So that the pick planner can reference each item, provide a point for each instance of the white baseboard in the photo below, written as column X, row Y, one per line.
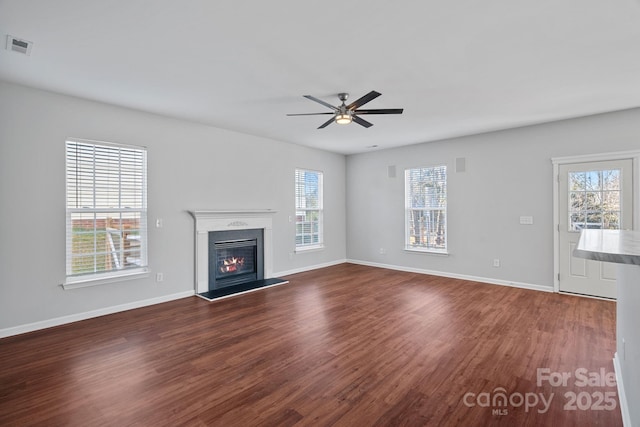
column 30, row 327
column 456, row 276
column 309, row 268
column 622, row 397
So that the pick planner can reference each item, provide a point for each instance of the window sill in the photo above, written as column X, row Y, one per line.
column 102, row 279
column 427, row 251
column 309, row 248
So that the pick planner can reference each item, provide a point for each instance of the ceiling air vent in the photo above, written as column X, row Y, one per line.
column 18, row 45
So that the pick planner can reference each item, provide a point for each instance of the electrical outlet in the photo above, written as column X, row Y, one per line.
column 159, row 277
column 159, row 223
column 526, row 220
column 383, row 251
column 496, row 262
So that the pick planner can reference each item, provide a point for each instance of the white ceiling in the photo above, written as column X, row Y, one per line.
column 456, row 67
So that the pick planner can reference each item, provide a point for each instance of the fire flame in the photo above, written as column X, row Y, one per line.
column 232, row 264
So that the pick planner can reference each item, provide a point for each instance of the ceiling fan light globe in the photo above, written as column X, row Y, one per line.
column 343, row 119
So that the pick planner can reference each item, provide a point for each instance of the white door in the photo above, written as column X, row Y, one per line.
column 595, row 195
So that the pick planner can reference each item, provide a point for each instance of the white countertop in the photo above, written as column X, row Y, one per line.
column 619, row 246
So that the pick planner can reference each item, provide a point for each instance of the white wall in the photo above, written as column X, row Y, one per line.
column 508, row 174
column 628, row 341
column 190, row 166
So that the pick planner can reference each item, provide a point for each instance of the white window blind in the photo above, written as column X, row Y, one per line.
column 426, row 209
column 309, row 227
column 106, row 209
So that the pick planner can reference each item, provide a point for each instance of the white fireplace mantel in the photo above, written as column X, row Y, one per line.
column 222, row 220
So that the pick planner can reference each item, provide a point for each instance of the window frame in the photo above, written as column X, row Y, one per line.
column 408, row 246
column 77, row 280
column 302, row 247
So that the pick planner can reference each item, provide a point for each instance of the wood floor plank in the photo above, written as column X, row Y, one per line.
column 346, row 345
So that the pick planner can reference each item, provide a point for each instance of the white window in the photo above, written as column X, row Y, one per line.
column 106, row 211
column 426, row 209
column 308, row 209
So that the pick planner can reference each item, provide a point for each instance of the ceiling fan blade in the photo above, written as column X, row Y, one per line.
column 381, row 111
column 361, row 122
column 308, row 114
column 361, row 101
column 320, row 101
column 327, row 123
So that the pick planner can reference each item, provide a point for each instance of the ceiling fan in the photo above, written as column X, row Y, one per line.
column 345, row 114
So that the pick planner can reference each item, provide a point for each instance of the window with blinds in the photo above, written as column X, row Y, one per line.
column 308, row 209
column 426, row 209
column 106, row 210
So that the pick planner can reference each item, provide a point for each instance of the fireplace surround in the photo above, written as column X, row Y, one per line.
column 207, row 221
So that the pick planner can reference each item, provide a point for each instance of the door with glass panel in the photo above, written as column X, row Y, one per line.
column 595, row 195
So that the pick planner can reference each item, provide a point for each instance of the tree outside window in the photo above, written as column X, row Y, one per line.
column 426, row 209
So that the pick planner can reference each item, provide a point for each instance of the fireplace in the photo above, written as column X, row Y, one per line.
column 235, row 257
column 242, row 261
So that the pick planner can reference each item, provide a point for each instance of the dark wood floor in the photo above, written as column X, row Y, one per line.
column 347, row 345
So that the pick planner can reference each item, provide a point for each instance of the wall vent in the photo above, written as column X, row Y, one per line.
column 19, row 45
